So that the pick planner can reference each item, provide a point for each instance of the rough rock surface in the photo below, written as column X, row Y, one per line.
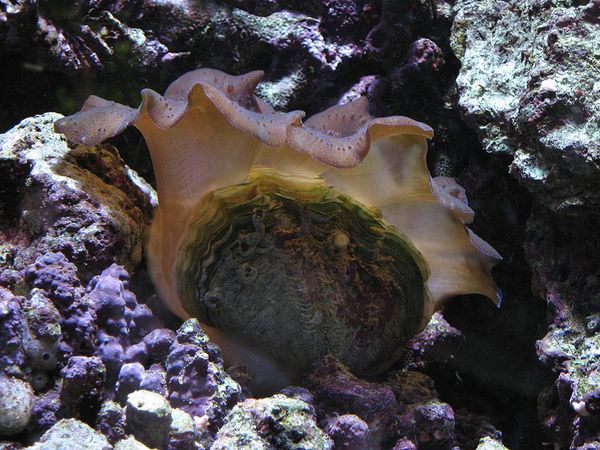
column 314, row 53
column 529, row 87
column 196, row 380
column 153, row 39
column 349, row 432
column 148, row 417
column 362, row 414
column 109, row 347
column 183, row 433
column 80, row 347
column 130, row 443
column 16, row 403
column 12, row 355
column 274, row 422
column 80, row 201
column 71, row 433
column 111, row 422
column 487, row 443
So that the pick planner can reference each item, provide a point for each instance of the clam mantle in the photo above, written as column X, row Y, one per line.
column 290, row 240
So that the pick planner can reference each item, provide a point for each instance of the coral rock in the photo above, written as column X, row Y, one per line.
column 12, row 322
column 57, row 279
column 196, row 379
column 42, row 334
column 405, row 444
column 64, row 203
column 349, row 432
column 148, row 418
column 16, row 403
column 122, row 323
column 130, row 443
column 488, row 443
column 130, row 379
column 71, row 433
column 111, row 421
column 435, row 421
column 183, row 433
column 537, row 102
column 82, row 388
column 274, row 422
column 335, row 389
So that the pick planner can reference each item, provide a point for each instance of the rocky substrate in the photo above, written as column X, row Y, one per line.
column 83, row 362
column 529, row 87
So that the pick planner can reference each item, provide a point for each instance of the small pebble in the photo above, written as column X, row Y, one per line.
column 16, row 403
column 148, row 418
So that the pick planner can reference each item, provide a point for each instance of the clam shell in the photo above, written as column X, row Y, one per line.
column 298, row 270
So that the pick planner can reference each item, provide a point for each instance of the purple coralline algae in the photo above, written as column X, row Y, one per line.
column 335, row 389
column 111, row 422
column 12, row 356
column 41, row 337
column 402, row 411
column 184, row 366
column 349, row 432
column 54, row 277
column 110, row 347
column 196, row 380
column 122, row 322
column 435, row 422
column 83, row 380
column 80, row 338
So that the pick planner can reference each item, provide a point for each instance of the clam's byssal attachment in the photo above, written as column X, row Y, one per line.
column 291, row 240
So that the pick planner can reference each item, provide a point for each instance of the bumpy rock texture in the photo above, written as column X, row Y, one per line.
column 109, row 347
column 16, row 403
column 82, row 202
column 148, row 418
column 275, row 422
column 403, row 410
column 153, row 39
column 77, row 352
column 529, row 87
column 71, row 433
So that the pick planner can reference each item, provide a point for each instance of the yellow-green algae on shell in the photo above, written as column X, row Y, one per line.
column 298, row 270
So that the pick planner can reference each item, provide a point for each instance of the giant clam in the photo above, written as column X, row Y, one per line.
column 291, row 240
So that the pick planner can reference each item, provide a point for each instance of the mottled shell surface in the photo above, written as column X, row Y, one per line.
column 293, row 239
column 299, row 270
